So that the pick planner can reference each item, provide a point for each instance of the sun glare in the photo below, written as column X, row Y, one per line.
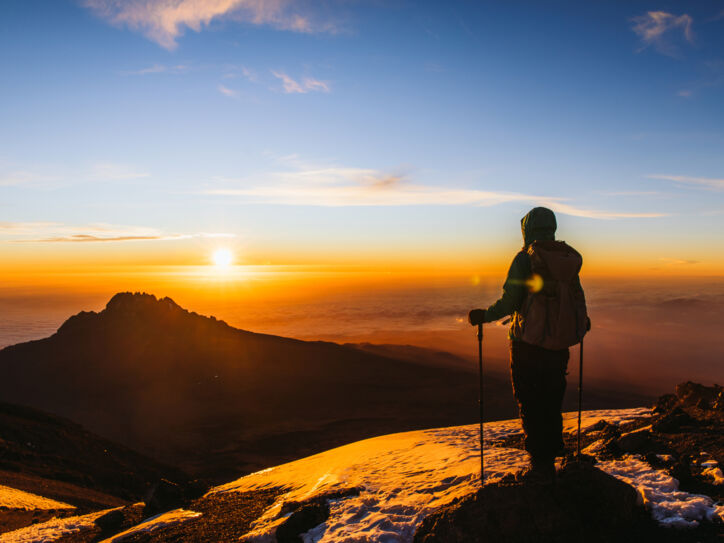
column 222, row 258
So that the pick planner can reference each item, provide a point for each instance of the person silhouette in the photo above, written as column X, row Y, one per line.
column 542, row 280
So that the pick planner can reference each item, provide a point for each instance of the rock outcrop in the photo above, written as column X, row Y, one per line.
column 585, row 504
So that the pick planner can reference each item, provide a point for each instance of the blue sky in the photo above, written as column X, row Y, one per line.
column 355, row 130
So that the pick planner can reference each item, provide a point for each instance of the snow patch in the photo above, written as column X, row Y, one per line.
column 404, row 477
column 164, row 520
column 53, row 529
column 612, row 416
column 594, row 448
column 715, row 473
column 660, row 494
column 12, row 498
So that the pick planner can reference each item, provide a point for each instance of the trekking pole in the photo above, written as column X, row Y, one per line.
column 480, row 400
column 580, row 389
column 580, row 398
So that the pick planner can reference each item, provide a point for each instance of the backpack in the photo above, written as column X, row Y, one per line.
column 553, row 315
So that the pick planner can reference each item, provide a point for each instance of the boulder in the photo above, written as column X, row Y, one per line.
column 113, row 520
column 634, row 442
column 673, row 421
column 697, row 395
column 164, row 496
column 117, row 520
column 585, row 504
column 309, row 513
column 665, row 404
column 302, row 520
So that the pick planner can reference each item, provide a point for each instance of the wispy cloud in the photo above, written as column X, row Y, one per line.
column 339, row 186
column 159, row 69
column 164, row 21
column 226, row 91
column 574, row 211
column 100, row 171
column 679, row 261
column 305, row 85
column 231, row 72
column 633, row 193
column 54, row 232
column 91, row 237
column 705, row 182
column 662, row 31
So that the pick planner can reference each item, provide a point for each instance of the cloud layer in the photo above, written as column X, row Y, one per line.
column 164, row 21
column 339, row 186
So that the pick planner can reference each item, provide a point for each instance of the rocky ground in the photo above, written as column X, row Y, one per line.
column 585, row 504
column 683, row 436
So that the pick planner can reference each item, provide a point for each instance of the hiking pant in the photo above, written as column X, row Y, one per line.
column 539, row 382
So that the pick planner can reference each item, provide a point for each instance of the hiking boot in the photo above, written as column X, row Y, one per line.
column 543, row 473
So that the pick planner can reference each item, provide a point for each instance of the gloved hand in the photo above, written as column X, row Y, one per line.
column 476, row 316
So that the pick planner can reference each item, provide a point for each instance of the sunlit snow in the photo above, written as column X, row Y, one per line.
column 53, row 529
column 660, row 493
column 404, row 477
column 152, row 524
column 12, row 498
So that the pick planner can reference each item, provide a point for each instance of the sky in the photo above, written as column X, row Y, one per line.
column 358, row 135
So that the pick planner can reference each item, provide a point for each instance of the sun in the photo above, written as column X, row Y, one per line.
column 223, row 258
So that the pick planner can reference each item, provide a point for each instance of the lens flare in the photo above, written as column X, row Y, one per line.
column 535, row 283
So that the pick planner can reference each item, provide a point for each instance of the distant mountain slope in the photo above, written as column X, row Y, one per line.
column 413, row 353
column 193, row 391
column 599, row 395
column 50, row 467
column 60, row 459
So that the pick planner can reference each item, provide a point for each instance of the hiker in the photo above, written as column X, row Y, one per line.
column 544, row 296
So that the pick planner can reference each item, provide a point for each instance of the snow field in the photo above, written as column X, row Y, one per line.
column 404, row 477
column 53, row 529
column 157, row 522
column 12, row 498
column 56, row 529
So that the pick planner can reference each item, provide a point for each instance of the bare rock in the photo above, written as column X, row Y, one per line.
column 634, row 442
column 164, row 496
column 585, row 504
column 697, row 395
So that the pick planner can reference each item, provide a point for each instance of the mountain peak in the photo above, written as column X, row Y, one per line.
column 131, row 308
column 124, row 301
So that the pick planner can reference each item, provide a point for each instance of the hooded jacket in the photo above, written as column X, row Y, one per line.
column 538, row 225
